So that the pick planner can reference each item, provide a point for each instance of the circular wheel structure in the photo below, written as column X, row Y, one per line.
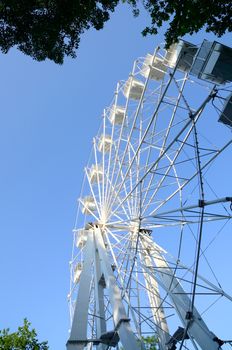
column 152, row 212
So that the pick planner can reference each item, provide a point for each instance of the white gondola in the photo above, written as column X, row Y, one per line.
column 133, row 89
column 88, row 205
column 96, row 173
column 104, row 143
column 183, row 53
column 157, row 68
column 77, row 272
column 117, row 115
column 81, row 238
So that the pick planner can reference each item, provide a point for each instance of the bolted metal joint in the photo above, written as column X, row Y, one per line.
column 189, row 315
column 201, row 203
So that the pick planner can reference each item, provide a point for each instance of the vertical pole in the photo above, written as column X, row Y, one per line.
column 80, row 317
column 121, row 321
column 197, row 329
column 99, row 297
column 156, row 306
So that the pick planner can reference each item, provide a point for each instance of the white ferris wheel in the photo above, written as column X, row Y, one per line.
column 152, row 210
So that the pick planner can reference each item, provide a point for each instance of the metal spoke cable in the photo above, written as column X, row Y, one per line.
column 198, row 247
column 137, row 239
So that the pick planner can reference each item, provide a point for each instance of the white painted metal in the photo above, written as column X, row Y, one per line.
column 196, row 326
column 156, row 304
column 96, row 173
column 142, row 182
column 81, row 238
column 80, row 317
column 121, row 321
column 88, row 205
column 117, row 115
column 99, row 298
column 133, row 88
column 183, row 52
column 105, row 143
column 77, row 272
column 154, row 66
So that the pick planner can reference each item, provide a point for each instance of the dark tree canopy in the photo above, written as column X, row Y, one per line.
column 52, row 28
column 24, row 339
column 49, row 28
column 188, row 17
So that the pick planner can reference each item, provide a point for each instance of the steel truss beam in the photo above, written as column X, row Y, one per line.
column 80, row 317
column 191, row 320
column 95, row 251
column 121, row 321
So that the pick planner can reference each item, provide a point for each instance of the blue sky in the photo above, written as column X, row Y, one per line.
column 49, row 115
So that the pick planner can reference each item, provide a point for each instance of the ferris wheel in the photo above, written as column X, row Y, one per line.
column 152, row 210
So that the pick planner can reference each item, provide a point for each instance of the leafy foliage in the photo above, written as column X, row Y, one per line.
column 52, row 28
column 187, row 17
column 150, row 342
column 24, row 339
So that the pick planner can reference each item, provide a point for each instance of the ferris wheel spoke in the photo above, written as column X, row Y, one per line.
column 149, row 289
column 208, row 285
column 122, row 127
column 109, row 205
column 135, row 120
column 148, row 127
column 176, row 265
column 172, row 164
column 116, row 161
column 167, row 133
column 150, row 122
column 93, row 194
column 127, row 186
column 115, row 102
column 161, row 182
column 130, row 172
column 198, row 330
column 103, row 162
column 207, row 163
column 124, row 187
column 120, row 218
column 181, row 92
column 98, row 179
column 156, row 304
column 125, row 292
column 195, row 116
column 89, row 210
column 115, row 238
column 170, row 167
column 138, row 193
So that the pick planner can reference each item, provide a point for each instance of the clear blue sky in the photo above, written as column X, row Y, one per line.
column 49, row 115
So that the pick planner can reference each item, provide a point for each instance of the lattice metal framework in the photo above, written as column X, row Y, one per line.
column 149, row 213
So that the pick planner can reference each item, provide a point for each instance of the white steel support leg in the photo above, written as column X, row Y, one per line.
column 121, row 321
column 99, row 298
column 80, row 317
column 156, row 306
column 197, row 328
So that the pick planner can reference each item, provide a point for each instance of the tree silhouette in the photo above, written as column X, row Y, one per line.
column 52, row 28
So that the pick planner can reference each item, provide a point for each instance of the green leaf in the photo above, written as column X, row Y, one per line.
column 24, row 338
